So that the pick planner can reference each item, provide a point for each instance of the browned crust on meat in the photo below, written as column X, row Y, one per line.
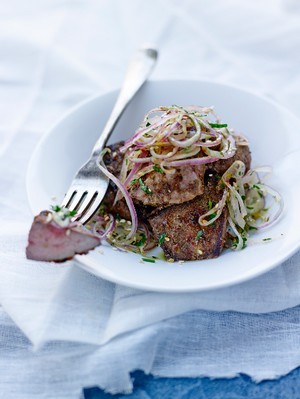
column 242, row 154
column 179, row 219
column 183, row 185
column 180, row 224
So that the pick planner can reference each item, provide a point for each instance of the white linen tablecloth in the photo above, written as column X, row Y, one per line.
column 62, row 329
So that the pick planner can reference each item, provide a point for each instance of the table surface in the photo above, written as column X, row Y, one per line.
column 149, row 387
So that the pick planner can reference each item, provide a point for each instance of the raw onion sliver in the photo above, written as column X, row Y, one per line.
column 128, row 199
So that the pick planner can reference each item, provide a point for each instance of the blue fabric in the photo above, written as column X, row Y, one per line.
column 149, row 387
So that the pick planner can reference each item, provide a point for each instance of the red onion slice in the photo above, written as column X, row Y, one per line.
column 129, row 202
column 192, row 161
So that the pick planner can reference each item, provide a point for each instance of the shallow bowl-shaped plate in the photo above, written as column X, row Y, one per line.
column 273, row 133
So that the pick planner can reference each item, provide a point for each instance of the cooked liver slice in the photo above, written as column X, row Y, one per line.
column 185, row 184
column 180, row 224
column 168, row 189
column 176, row 203
column 48, row 241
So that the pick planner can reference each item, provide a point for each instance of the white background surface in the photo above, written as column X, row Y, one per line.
column 54, row 54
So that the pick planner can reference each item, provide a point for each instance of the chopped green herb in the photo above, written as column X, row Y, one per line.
column 213, row 215
column 258, row 190
column 267, row 239
column 179, row 106
column 252, row 228
column 157, row 169
column 118, row 217
column 144, row 187
column 102, row 210
column 148, row 260
column 162, row 239
column 250, row 207
column 199, row 234
column 244, row 242
column 141, row 241
column 71, row 213
column 133, row 182
column 243, row 197
column 56, row 208
column 210, row 204
column 148, row 124
column 218, row 125
column 66, row 213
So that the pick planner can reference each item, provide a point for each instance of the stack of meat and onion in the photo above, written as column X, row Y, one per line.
column 183, row 181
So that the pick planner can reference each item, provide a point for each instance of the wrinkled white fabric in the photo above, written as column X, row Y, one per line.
column 54, row 54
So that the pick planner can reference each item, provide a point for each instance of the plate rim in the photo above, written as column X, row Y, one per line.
column 88, row 264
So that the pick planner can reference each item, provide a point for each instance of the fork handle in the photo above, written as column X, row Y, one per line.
column 138, row 71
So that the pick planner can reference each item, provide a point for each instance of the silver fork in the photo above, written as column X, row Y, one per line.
column 90, row 184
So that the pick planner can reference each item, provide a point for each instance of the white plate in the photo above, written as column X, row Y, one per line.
column 273, row 133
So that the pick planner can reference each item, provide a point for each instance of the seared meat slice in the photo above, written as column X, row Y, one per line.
column 242, row 154
column 180, row 225
column 167, row 189
column 48, row 241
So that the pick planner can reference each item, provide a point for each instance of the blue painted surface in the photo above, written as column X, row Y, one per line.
column 149, row 387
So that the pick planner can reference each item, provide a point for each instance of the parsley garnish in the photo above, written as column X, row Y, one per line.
column 199, row 234
column 148, row 260
column 55, row 208
column 252, row 228
column 162, row 239
column 144, row 187
column 141, row 241
column 258, row 190
column 148, row 124
column 133, row 182
column 210, row 204
column 213, row 215
column 102, row 209
column 218, row 125
column 66, row 212
column 267, row 239
column 157, row 169
column 70, row 213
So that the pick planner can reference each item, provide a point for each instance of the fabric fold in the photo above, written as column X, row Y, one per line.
column 82, row 330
